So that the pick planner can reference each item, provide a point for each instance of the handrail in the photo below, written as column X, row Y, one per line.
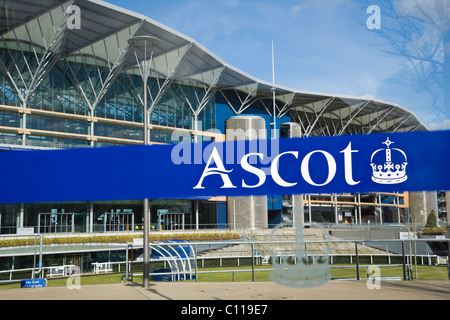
column 406, row 257
column 41, row 251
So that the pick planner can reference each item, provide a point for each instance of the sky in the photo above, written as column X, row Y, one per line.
column 322, row 46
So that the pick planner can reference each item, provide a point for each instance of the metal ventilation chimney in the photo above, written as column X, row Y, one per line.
column 247, row 212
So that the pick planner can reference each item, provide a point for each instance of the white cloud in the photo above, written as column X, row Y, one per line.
column 317, row 5
column 437, row 126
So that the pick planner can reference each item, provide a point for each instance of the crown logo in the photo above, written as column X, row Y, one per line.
column 389, row 167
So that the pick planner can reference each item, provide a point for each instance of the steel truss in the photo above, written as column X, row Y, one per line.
column 97, row 58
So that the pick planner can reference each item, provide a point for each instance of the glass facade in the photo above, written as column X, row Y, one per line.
column 118, row 131
column 9, row 119
column 58, row 114
column 60, row 90
column 72, row 86
column 106, row 216
column 56, row 124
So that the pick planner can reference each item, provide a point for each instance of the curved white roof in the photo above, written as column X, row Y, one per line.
column 103, row 38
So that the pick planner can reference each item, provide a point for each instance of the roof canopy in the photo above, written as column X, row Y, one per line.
column 43, row 27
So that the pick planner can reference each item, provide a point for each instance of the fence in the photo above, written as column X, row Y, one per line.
column 306, row 255
column 264, row 256
column 38, row 253
column 104, row 267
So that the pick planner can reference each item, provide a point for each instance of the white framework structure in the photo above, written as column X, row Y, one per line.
column 37, row 37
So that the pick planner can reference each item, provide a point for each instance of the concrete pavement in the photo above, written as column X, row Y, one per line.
column 333, row 290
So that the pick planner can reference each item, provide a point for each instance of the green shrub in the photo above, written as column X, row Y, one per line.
column 433, row 231
column 120, row 239
column 431, row 220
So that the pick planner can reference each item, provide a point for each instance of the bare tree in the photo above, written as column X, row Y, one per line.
column 419, row 31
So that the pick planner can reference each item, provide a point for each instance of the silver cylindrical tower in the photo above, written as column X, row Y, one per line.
column 246, row 212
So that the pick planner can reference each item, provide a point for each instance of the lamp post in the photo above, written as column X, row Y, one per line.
column 274, row 132
column 145, row 42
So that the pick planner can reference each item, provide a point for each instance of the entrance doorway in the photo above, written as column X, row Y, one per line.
column 170, row 221
column 56, row 223
column 121, row 220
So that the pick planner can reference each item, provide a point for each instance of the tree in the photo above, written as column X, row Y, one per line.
column 431, row 220
column 419, row 31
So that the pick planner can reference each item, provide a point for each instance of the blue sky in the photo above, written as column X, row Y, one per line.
column 320, row 45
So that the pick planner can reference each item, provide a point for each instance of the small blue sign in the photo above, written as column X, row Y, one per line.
column 28, row 283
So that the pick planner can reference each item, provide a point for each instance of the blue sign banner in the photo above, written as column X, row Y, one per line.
column 394, row 162
column 33, row 283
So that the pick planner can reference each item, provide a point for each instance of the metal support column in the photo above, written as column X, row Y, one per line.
column 146, row 259
column 359, row 208
column 309, row 208
column 404, row 260
column 448, row 259
column 274, row 128
column 21, row 215
column 92, row 129
column 253, row 263
column 381, row 209
column 357, row 261
column 145, row 42
column 196, row 216
column 334, row 199
column 24, row 123
column 91, row 217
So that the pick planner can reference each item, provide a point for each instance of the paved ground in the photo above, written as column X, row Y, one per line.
column 334, row 290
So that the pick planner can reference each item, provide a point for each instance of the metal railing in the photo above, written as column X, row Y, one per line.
column 406, row 259
column 36, row 265
column 230, row 253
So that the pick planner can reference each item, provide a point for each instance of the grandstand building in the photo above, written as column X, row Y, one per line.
column 71, row 78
